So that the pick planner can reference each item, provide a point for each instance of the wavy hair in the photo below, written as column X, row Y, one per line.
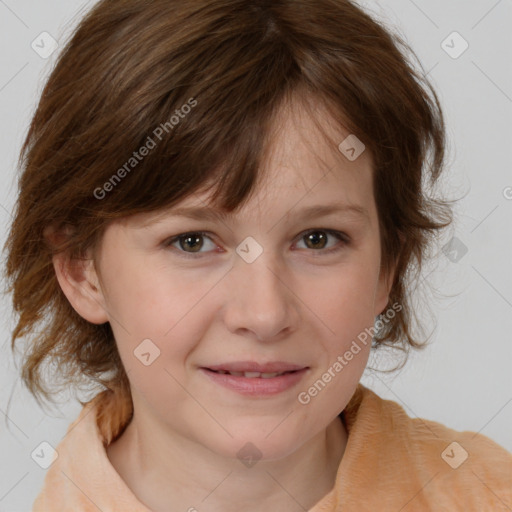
column 132, row 66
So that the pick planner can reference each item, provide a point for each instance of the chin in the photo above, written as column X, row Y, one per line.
column 253, row 444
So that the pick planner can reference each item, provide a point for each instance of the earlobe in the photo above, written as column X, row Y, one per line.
column 78, row 280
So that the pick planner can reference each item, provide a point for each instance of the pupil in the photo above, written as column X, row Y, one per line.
column 316, row 237
column 195, row 242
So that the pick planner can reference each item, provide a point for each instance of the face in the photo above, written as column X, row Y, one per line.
column 279, row 286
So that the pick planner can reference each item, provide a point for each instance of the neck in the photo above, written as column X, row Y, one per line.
column 162, row 468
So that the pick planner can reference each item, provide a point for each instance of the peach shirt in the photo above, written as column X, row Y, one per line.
column 391, row 463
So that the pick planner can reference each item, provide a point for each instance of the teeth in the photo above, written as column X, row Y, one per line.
column 252, row 375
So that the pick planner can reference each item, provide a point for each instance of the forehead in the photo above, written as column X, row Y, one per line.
column 303, row 168
column 308, row 152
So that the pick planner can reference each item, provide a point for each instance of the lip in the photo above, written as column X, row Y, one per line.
column 252, row 366
column 257, row 386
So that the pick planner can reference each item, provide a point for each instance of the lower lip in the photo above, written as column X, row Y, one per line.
column 256, row 386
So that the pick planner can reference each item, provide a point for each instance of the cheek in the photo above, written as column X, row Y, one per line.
column 344, row 298
column 150, row 300
column 158, row 313
column 344, row 303
column 346, row 310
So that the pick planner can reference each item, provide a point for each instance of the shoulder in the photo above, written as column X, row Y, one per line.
column 427, row 460
column 473, row 467
column 82, row 468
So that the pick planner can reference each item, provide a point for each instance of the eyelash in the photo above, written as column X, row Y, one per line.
column 342, row 237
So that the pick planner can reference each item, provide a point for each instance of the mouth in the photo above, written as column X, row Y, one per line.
column 234, row 367
column 254, row 379
column 252, row 375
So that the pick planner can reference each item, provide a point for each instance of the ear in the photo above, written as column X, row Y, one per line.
column 386, row 279
column 383, row 290
column 78, row 280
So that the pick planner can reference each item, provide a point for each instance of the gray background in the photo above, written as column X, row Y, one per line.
column 463, row 379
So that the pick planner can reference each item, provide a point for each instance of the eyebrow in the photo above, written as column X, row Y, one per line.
column 202, row 213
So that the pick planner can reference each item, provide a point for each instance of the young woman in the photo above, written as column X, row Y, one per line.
column 220, row 203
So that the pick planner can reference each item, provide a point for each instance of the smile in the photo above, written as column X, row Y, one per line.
column 253, row 383
column 251, row 375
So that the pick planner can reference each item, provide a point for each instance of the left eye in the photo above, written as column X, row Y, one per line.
column 317, row 239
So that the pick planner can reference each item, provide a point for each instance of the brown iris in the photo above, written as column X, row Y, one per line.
column 316, row 237
column 195, row 241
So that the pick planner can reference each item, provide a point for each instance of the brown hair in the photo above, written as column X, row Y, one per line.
column 127, row 74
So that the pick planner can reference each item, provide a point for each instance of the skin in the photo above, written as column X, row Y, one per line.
column 294, row 303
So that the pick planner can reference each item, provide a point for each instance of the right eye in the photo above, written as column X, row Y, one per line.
column 189, row 244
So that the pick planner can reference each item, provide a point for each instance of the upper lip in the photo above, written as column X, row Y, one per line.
column 252, row 366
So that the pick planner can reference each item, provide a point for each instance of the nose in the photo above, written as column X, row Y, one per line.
column 260, row 300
